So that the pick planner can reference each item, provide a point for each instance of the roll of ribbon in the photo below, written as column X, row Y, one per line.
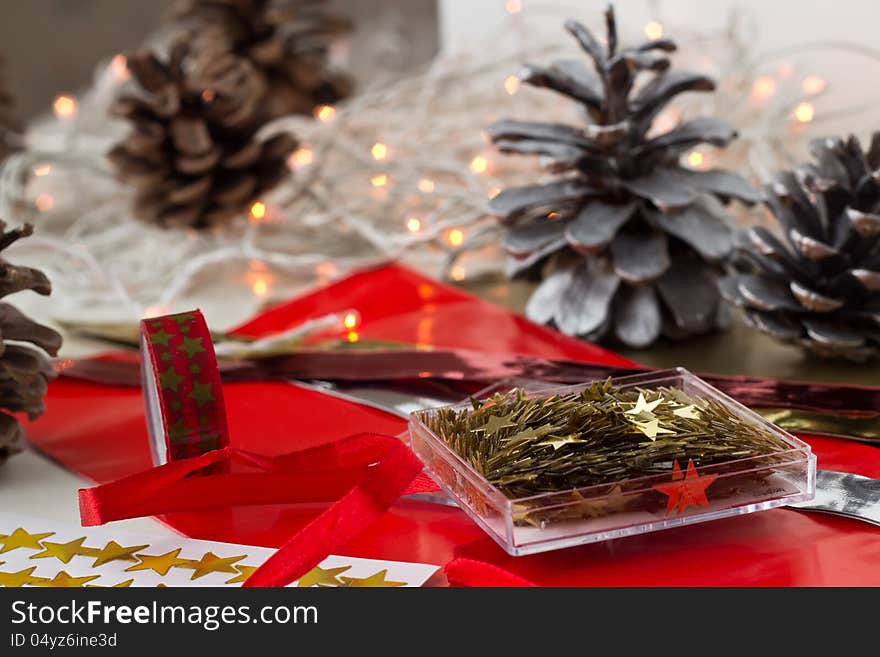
column 181, row 386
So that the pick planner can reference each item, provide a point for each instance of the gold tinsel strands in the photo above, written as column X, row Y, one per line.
column 530, row 445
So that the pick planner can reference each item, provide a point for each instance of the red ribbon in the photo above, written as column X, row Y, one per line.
column 469, row 572
column 365, row 473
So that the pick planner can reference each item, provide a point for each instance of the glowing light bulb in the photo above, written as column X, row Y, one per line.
column 325, row 113
column 350, row 321
column 413, row 225
column 260, row 286
column 379, row 151
column 64, row 106
column 552, row 215
column 763, row 87
column 813, row 85
column 426, row 186
column 804, row 112
column 379, row 180
column 208, row 95
column 458, row 273
column 119, row 67
column 258, row 211
column 695, row 159
column 513, row 6
column 511, row 84
column 44, row 202
column 42, row 170
column 301, row 157
column 479, row 164
column 352, row 336
column 654, row 30
column 455, row 237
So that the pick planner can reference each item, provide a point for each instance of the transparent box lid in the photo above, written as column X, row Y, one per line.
column 684, row 495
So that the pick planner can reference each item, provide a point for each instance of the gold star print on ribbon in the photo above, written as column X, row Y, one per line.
column 201, row 393
column 170, row 379
column 192, row 346
column 374, row 580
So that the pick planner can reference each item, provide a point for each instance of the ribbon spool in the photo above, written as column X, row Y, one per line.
column 186, row 416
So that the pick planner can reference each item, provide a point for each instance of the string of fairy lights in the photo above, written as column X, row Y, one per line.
column 401, row 171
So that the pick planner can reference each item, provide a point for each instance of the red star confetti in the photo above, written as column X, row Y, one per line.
column 688, row 489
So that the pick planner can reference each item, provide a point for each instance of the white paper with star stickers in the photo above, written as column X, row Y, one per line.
column 38, row 552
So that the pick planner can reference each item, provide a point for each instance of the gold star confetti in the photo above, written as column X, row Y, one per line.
column 22, row 539
column 64, row 580
column 211, row 563
column 690, row 412
column 160, row 564
column 652, row 428
column 643, row 406
column 560, row 441
column 62, row 551
column 318, row 576
column 243, row 573
column 496, row 424
column 113, row 551
column 373, row 581
column 21, row 578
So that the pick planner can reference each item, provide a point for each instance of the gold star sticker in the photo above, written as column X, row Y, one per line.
column 495, row 424
column 160, row 564
column 122, row 585
column 373, row 581
column 318, row 576
column 211, row 563
column 63, row 580
column 689, row 412
column 652, row 428
column 62, row 551
column 113, row 551
column 643, row 406
column 201, row 393
column 243, row 573
column 170, row 379
column 22, row 539
column 160, row 337
column 192, row 346
column 21, row 578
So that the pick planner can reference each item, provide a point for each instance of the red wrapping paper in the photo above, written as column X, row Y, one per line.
column 99, row 431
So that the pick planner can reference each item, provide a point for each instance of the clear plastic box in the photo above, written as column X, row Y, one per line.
column 556, row 520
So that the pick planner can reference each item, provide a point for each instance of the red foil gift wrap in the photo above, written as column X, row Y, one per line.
column 99, row 431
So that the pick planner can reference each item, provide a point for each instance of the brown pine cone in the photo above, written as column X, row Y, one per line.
column 192, row 155
column 286, row 40
column 24, row 370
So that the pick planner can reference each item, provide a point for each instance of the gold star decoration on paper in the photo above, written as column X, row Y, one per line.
column 211, row 563
column 21, row 578
column 170, row 379
column 374, row 580
column 643, row 406
column 64, row 552
column 201, row 393
column 192, row 346
column 160, row 564
column 243, row 573
column 496, row 423
column 22, row 539
column 64, row 580
column 113, row 551
column 318, row 576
